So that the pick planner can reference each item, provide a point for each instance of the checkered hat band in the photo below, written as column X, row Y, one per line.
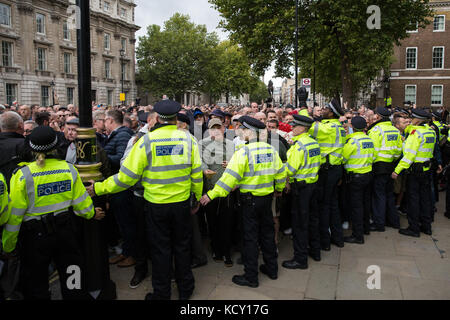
column 419, row 117
column 45, row 147
column 167, row 116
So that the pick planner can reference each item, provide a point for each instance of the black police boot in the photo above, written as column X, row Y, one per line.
column 137, row 279
column 325, row 247
column 390, row 225
column 409, row 232
column 339, row 244
column 293, row 264
column 241, row 280
column 447, row 215
column 353, row 239
column 427, row 231
column 314, row 255
column 263, row 269
column 199, row 264
column 367, row 232
column 374, row 227
column 152, row 296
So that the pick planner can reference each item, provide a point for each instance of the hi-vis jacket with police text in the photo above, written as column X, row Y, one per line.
column 387, row 141
column 330, row 134
column 166, row 161
column 419, row 147
column 359, row 153
column 4, row 200
column 256, row 168
column 303, row 163
column 36, row 191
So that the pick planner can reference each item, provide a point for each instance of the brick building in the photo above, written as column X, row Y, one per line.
column 39, row 57
column 421, row 72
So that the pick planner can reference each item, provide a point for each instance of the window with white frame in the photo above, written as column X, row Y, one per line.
column 70, row 92
column 108, row 69
column 439, row 23
column 411, row 58
column 410, row 93
column 436, row 94
column 124, row 71
column 11, row 93
column 416, row 28
column 106, row 6
column 5, row 14
column 7, row 54
column 40, row 23
column 123, row 43
column 123, row 12
column 110, row 97
column 66, row 31
column 438, row 57
column 67, row 62
column 107, row 42
column 45, row 96
column 42, row 59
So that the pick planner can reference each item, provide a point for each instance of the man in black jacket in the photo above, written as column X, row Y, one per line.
column 13, row 150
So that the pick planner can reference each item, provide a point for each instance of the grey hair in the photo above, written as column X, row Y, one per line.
column 33, row 123
column 10, row 121
column 98, row 115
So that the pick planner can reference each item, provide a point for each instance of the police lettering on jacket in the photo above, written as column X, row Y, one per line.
column 53, row 188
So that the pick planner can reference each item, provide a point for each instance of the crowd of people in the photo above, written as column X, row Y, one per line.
column 318, row 172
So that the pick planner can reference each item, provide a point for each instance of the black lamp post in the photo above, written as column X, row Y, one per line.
column 122, row 56
column 52, row 84
column 296, row 53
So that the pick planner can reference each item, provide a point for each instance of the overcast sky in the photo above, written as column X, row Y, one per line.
column 150, row 12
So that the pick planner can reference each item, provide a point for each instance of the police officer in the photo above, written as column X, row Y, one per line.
column 417, row 155
column 388, row 144
column 303, row 166
column 256, row 168
column 437, row 121
column 330, row 134
column 358, row 156
column 168, row 162
column 43, row 195
column 4, row 200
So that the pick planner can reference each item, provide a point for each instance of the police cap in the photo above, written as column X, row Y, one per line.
column 382, row 111
column 143, row 116
column 167, row 109
column 437, row 114
column 359, row 123
column 335, row 106
column 218, row 113
column 43, row 139
column 301, row 121
column 421, row 114
column 183, row 118
column 252, row 123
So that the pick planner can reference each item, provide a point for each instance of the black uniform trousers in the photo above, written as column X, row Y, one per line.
column 359, row 189
column 329, row 215
column 383, row 201
column 418, row 188
column 258, row 227
column 447, row 194
column 305, row 221
column 142, row 239
column 170, row 231
column 42, row 243
column 220, row 222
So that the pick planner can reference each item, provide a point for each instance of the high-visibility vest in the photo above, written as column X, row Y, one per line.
column 168, row 164
column 419, row 148
column 36, row 191
column 330, row 134
column 387, row 141
column 303, row 163
column 441, row 129
column 359, row 153
column 4, row 200
column 388, row 101
column 304, row 112
column 256, row 168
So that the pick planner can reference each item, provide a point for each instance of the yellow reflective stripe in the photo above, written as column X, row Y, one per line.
column 257, row 186
column 305, row 176
column 84, row 211
column 120, row 183
column 80, row 199
column 197, row 180
column 18, row 212
column 404, row 159
column 223, row 186
column 196, row 170
column 290, row 168
column 12, row 228
column 411, row 151
column 129, row 173
column 233, row 174
column 50, row 208
column 167, row 181
column 260, row 173
column 172, row 167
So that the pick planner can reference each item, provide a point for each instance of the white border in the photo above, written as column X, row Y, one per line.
column 406, row 58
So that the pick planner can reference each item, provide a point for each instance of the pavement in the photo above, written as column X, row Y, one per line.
column 410, row 268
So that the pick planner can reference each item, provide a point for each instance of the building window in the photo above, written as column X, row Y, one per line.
column 410, row 93
column 70, row 95
column 436, row 95
column 439, row 23
column 42, row 59
column 411, row 58
column 123, row 43
column 107, row 42
column 40, row 23
column 11, row 93
column 67, row 63
column 106, row 6
column 123, row 12
column 7, row 54
column 438, row 57
column 66, row 31
column 5, row 14
column 45, row 96
column 110, row 97
column 124, row 71
column 107, row 69
column 414, row 30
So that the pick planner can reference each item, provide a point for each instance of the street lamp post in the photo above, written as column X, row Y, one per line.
column 52, row 84
column 122, row 56
column 296, row 53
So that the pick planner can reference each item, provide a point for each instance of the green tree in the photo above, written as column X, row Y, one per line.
column 348, row 55
column 176, row 59
column 259, row 91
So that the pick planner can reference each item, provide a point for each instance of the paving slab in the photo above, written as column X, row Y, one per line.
column 422, row 289
column 434, row 268
column 416, row 247
column 322, row 283
column 234, row 292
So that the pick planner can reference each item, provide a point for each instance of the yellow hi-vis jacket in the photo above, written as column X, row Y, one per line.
column 419, row 147
column 359, row 153
column 387, row 141
column 36, row 191
column 441, row 128
column 330, row 134
column 303, row 159
column 166, row 161
column 256, row 168
column 4, row 200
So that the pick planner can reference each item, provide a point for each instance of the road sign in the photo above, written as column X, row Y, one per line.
column 306, row 82
column 122, row 97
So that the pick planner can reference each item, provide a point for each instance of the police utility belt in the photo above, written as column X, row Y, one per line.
column 419, row 167
column 351, row 176
column 325, row 166
column 47, row 223
column 249, row 196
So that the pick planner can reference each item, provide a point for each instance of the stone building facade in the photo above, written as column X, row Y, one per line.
column 39, row 57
